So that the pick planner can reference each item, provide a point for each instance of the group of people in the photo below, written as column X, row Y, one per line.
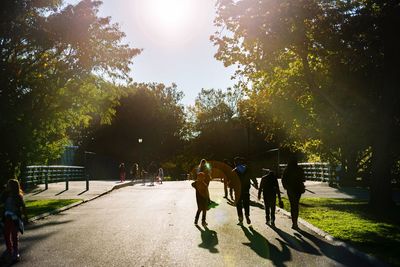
column 292, row 180
column 137, row 173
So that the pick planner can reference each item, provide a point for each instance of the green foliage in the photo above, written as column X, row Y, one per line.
column 355, row 222
column 316, row 72
column 50, row 58
column 37, row 207
column 151, row 112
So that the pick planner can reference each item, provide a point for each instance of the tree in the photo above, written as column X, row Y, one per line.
column 321, row 71
column 50, row 62
column 151, row 112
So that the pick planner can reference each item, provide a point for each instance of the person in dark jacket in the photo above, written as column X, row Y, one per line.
column 293, row 181
column 270, row 188
column 243, row 202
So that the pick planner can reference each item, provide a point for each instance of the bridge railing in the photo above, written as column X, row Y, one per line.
column 315, row 171
column 45, row 174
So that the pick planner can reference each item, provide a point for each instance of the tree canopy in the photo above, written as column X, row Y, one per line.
column 50, row 62
column 320, row 71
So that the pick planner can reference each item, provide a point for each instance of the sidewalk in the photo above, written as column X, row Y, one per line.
column 77, row 190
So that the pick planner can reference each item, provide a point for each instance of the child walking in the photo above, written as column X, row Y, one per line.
column 202, row 194
column 270, row 188
column 14, row 207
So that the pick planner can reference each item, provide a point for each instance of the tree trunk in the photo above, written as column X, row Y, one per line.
column 382, row 150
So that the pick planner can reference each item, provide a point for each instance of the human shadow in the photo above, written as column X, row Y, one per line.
column 33, row 226
column 260, row 245
column 256, row 204
column 338, row 252
column 209, row 239
column 296, row 242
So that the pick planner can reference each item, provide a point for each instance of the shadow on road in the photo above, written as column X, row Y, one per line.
column 33, row 226
column 260, row 245
column 209, row 239
column 335, row 252
column 296, row 242
column 256, row 204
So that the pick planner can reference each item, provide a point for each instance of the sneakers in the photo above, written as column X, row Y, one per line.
column 248, row 220
column 240, row 219
column 295, row 227
column 196, row 221
column 204, row 223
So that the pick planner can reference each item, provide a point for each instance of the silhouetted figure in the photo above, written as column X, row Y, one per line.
column 243, row 202
column 228, row 181
column 135, row 171
column 14, row 208
column 152, row 172
column 293, row 181
column 122, row 172
column 202, row 194
column 269, row 187
column 160, row 175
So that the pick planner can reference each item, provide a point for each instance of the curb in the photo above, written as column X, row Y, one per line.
column 56, row 211
column 371, row 259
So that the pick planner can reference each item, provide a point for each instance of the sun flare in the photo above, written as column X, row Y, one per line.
column 169, row 19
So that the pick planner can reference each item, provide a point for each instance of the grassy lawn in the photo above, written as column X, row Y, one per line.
column 355, row 223
column 36, row 207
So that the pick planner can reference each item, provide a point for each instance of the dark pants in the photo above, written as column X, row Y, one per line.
column 244, row 202
column 11, row 236
column 294, row 199
column 270, row 203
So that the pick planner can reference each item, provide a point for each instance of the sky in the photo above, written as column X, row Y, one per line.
column 174, row 36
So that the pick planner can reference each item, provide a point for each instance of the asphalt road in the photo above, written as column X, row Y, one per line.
column 153, row 226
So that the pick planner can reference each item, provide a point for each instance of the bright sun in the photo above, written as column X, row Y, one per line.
column 169, row 19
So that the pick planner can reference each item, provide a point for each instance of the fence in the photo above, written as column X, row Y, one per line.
column 315, row 171
column 35, row 175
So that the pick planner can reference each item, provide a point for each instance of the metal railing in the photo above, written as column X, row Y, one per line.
column 315, row 171
column 44, row 174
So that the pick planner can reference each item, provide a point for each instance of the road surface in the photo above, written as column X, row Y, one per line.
column 153, row 226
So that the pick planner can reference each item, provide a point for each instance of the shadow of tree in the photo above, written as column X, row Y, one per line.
column 209, row 239
column 260, row 245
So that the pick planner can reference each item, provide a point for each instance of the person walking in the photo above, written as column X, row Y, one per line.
column 269, row 187
column 293, row 181
column 243, row 202
column 152, row 169
column 202, row 195
column 122, row 172
column 14, row 207
column 135, row 171
column 160, row 175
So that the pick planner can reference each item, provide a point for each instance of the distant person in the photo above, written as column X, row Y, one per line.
column 202, row 195
column 243, row 202
column 135, row 171
column 152, row 169
column 143, row 174
column 227, row 180
column 293, row 181
column 160, row 175
column 122, row 172
column 14, row 208
column 269, row 187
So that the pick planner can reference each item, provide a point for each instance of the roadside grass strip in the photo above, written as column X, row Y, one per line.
column 38, row 207
column 354, row 222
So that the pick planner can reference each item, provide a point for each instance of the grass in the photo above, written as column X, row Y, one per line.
column 354, row 222
column 37, row 207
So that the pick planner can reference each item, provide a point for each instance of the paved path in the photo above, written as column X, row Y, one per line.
column 77, row 190
column 153, row 226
